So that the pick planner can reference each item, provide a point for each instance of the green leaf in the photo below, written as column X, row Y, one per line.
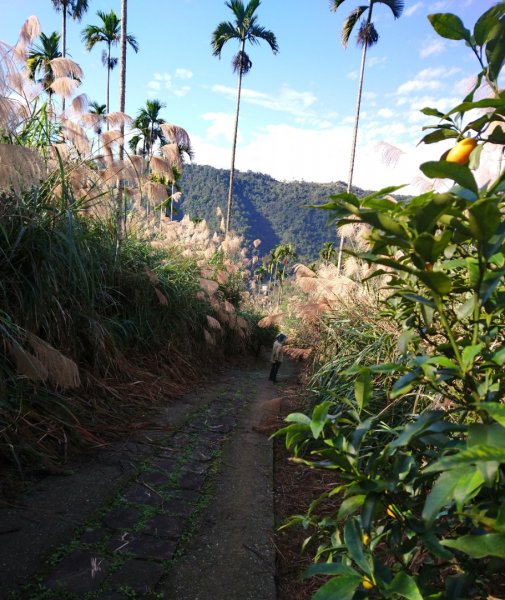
column 484, row 103
column 349, row 506
column 495, row 51
column 484, row 218
column 449, row 170
column 433, row 545
column 486, row 23
column 468, row 457
column 497, row 136
column 427, row 216
column 432, row 112
column 486, row 434
column 411, row 430
column 405, row 383
column 438, row 136
column 492, row 279
column 405, row 586
column 499, row 356
column 466, row 309
column 441, row 494
column 353, row 537
column 417, row 298
column 363, row 388
column 342, row 587
column 299, row 418
column 319, row 418
column 479, row 546
column 495, row 410
column 468, row 486
column 469, row 354
column 404, row 340
column 328, row 569
column 438, row 282
column 449, row 26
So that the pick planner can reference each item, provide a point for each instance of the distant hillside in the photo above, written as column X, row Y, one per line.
column 263, row 207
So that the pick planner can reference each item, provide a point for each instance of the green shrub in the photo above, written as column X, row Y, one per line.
column 423, row 510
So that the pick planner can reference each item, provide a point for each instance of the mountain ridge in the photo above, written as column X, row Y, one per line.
column 263, row 207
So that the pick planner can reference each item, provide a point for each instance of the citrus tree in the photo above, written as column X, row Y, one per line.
column 423, row 496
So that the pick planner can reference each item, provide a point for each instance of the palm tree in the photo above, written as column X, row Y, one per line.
column 100, row 112
column 327, row 252
column 148, row 122
column 367, row 37
column 109, row 32
column 177, row 150
column 121, row 214
column 39, row 61
column 245, row 28
column 71, row 8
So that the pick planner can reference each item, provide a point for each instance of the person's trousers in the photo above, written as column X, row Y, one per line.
column 273, row 371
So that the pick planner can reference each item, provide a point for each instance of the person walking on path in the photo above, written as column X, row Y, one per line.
column 277, row 356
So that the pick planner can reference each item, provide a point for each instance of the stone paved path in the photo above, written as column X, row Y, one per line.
column 160, row 526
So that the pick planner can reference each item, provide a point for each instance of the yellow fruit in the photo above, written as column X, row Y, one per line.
column 367, row 583
column 391, row 512
column 460, row 153
column 366, row 539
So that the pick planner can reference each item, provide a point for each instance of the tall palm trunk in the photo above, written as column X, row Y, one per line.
column 108, row 82
column 234, row 147
column 355, row 130
column 121, row 205
column 64, row 39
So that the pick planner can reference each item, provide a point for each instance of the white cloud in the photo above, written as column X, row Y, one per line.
column 418, row 85
column 221, row 126
column 413, row 9
column 385, row 113
column 290, row 153
column 287, row 100
column 373, row 61
column 427, row 79
column 183, row 74
column 164, row 81
column 352, row 75
column 182, row 91
column 431, row 47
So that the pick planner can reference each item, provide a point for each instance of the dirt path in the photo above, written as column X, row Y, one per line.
column 183, row 511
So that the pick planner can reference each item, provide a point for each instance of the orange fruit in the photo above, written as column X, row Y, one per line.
column 367, row 583
column 366, row 539
column 460, row 153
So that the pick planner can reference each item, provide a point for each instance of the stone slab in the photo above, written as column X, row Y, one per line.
column 79, row 573
column 139, row 575
column 165, row 527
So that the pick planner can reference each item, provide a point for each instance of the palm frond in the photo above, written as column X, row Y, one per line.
column 350, row 23
column 257, row 33
column 250, row 9
column 223, row 33
column 334, row 4
column 396, row 6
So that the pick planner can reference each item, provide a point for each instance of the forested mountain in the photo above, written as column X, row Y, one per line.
column 263, row 207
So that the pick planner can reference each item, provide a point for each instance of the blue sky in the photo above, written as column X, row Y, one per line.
column 298, row 106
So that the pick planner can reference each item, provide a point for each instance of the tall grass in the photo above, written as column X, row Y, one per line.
column 100, row 317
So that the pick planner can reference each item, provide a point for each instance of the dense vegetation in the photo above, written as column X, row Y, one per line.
column 408, row 395
column 98, row 288
column 264, row 208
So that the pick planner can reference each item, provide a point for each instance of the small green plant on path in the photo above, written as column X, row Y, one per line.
column 423, row 510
